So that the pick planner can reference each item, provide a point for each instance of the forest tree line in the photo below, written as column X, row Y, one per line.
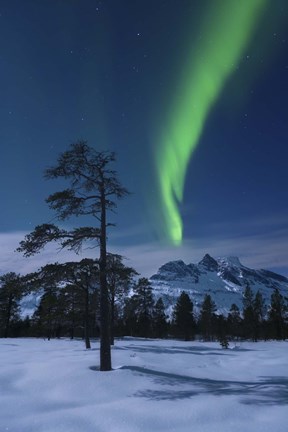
column 70, row 307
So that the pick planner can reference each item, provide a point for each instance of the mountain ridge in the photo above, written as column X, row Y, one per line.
column 225, row 279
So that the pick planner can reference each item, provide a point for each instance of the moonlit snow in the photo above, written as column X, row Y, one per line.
column 156, row 385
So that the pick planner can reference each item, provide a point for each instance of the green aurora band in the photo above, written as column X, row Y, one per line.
column 225, row 35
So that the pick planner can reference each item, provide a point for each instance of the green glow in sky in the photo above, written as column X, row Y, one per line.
column 224, row 36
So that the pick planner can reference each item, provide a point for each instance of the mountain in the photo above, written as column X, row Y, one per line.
column 225, row 279
column 29, row 303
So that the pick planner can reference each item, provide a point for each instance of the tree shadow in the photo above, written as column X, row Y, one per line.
column 266, row 391
column 176, row 350
column 10, row 344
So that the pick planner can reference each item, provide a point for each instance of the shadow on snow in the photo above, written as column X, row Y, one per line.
column 266, row 391
column 178, row 349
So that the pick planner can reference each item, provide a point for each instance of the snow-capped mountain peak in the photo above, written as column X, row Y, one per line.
column 208, row 263
column 230, row 261
column 225, row 279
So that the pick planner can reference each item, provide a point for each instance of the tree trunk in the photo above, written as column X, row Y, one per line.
column 86, row 324
column 112, row 321
column 8, row 317
column 72, row 317
column 49, row 327
column 105, row 349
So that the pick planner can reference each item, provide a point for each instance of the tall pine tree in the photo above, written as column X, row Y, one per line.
column 93, row 188
column 277, row 316
column 183, row 319
column 160, row 325
column 144, row 304
column 208, row 318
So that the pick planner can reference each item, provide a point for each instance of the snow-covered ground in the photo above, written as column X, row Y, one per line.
column 155, row 386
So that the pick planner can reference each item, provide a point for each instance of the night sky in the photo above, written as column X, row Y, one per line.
column 192, row 97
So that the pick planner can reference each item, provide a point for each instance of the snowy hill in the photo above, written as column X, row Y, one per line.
column 224, row 279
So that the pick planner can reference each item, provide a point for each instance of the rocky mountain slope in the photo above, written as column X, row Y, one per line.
column 224, row 279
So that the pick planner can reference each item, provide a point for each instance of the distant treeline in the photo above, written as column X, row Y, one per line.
column 69, row 307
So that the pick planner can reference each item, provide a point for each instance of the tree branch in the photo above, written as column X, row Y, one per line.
column 35, row 241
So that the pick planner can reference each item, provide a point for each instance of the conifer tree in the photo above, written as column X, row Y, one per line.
column 253, row 314
column 222, row 331
column 259, row 312
column 160, row 325
column 119, row 281
column 144, row 304
column 84, row 277
column 49, row 314
column 130, row 316
column 92, row 190
column 10, row 294
column 234, row 321
column 208, row 318
column 248, row 313
column 277, row 316
column 74, row 307
column 183, row 319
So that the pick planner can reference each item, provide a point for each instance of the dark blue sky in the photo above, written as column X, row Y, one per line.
column 104, row 71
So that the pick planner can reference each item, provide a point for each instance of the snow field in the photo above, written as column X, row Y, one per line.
column 156, row 385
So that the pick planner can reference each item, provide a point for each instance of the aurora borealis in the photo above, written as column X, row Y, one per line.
column 227, row 31
column 190, row 94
